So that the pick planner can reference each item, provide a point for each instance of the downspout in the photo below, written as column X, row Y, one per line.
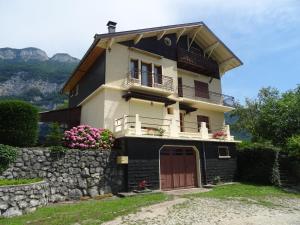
column 204, row 163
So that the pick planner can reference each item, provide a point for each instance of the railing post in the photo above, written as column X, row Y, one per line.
column 138, row 125
column 116, row 125
column 203, row 131
column 125, row 124
column 227, row 132
column 173, row 128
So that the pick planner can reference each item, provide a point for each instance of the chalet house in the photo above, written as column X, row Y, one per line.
column 159, row 90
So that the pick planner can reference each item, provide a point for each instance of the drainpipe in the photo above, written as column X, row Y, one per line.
column 204, row 162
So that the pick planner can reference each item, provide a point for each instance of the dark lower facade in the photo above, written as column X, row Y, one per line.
column 172, row 163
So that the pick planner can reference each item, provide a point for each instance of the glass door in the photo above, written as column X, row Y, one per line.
column 146, row 74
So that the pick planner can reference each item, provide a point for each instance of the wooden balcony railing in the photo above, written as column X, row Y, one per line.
column 150, row 80
column 196, row 62
column 210, row 96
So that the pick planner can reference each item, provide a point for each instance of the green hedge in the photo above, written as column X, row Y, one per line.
column 18, row 123
column 258, row 163
column 8, row 155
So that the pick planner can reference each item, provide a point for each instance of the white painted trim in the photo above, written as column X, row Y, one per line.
column 198, row 162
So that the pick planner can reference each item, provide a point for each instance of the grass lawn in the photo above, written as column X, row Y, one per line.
column 4, row 182
column 251, row 193
column 85, row 212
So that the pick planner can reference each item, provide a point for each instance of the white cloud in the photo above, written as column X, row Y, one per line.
column 69, row 25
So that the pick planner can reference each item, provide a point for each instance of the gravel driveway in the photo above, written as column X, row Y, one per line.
column 206, row 211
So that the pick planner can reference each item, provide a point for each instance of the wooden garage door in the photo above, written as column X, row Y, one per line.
column 177, row 168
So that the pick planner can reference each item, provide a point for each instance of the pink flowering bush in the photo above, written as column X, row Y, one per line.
column 87, row 137
column 219, row 134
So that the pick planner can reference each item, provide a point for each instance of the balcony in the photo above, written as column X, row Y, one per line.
column 149, row 83
column 136, row 125
column 194, row 61
column 199, row 98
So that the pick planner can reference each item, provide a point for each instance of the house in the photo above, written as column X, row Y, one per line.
column 159, row 90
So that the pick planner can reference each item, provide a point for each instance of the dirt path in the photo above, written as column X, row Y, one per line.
column 204, row 211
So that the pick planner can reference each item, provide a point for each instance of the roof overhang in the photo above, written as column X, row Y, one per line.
column 213, row 47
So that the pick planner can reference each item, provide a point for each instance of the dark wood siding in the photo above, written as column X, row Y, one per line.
column 153, row 45
column 143, row 155
column 94, row 78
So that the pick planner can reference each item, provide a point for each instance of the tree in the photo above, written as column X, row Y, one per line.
column 271, row 116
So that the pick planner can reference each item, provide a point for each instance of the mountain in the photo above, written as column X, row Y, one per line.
column 29, row 74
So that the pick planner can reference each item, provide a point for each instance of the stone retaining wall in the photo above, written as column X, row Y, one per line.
column 70, row 176
column 18, row 199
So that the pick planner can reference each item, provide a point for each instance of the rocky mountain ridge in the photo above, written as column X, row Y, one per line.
column 34, row 54
column 29, row 74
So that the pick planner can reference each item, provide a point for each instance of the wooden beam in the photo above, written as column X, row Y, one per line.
column 110, row 43
column 194, row 36
column 226, row 62
column 211, row 48
column 161, row 34
column 179, row 34
column 138, row 38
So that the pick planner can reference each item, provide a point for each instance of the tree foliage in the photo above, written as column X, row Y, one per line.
column 271, row 116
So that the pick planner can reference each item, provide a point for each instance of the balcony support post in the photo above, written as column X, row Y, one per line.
column 173, row 128
column 227, row 132
column 125, row 124
column 138, row 125
column 203, row 131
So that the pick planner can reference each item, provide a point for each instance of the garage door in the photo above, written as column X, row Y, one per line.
column 177, row 168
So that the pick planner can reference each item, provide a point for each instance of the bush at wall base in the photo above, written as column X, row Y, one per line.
column 87, row 137
column 18, row 123
column 8, row 155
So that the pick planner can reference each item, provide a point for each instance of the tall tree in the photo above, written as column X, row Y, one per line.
column 271, row 116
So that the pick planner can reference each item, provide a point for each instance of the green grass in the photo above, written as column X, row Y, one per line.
column 4, row 182
column 85, row 212
column 248, row 193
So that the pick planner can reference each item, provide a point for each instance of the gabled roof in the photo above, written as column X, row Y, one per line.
column 198, row 32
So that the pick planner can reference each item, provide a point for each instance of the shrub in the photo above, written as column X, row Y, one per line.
column 55, row 135
column 293, row 146
column 57, row 151
column 8, row 155
column 86, row 137
column 257, row 162
column 18, row 123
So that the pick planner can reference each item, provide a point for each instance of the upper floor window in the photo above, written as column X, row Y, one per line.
column 201, row 89
column 157, row 74
column 134, row 68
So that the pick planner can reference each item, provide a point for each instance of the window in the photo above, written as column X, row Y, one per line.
column 203, row 119
column 146, row 74
column 134, row 68
column 201, row 89
column 157, row 75
column 223, row 152
column 170, row 111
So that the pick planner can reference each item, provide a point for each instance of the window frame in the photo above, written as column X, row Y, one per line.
column 227, row 156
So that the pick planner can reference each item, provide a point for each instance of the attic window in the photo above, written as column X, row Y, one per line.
column 167, row 41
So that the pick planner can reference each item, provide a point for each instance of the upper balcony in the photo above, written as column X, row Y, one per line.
column 194, row 61
column 206, row 99
column 149, row 82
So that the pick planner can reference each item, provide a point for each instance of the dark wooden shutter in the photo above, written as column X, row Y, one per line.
column 203, row 119
column 180, row 94
column 201, row 89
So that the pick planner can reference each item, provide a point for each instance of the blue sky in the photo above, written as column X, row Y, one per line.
column 264, row 34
